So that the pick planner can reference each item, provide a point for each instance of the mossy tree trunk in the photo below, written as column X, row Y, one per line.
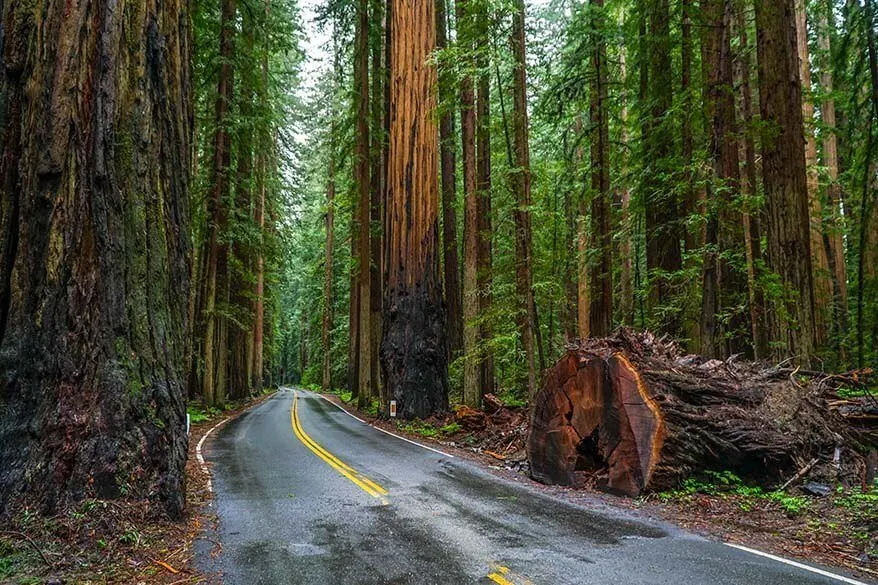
column 95, row 259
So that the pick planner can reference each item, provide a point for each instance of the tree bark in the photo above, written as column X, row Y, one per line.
column 835, row 231
column 241, row 329
column 328, row 260
column 378, row 187
column 626, row 258
column 722, row 281
column 471, row 389
column 822, row 276
column 522, row 183
column 259, row 219
column 784, row 176
column 453, row 295
column 692, row 238
column 95, row 252
column 414, row 353
column 601, row 278
column 483, row 201
column 752, row 214
column 364, row 209
column 214, row 345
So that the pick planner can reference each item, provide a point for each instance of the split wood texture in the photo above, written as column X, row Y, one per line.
column 632, row 414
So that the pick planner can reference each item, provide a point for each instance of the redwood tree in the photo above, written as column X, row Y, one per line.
column 601, row 277
column 95, row 268
column 522, row 187
column 414, row 354
column 784, row 177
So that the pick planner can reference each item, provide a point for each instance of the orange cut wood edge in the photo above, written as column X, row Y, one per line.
column 167, row 566
column 659, row 439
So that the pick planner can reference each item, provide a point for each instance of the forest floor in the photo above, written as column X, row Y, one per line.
column 839, row 529
column 122, row 542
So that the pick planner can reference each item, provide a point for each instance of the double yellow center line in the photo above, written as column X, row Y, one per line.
column 503, row 576
column 357, row 478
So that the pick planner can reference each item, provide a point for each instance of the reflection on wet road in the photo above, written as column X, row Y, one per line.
column 306, row 494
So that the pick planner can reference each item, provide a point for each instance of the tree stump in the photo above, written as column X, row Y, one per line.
column 632, row 414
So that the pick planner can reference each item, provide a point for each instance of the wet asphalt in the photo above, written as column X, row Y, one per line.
column 285, row 516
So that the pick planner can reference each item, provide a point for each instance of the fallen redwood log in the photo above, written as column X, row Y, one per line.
column 632, row 414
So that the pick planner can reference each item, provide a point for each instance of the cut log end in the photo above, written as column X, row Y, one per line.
column 629, row 414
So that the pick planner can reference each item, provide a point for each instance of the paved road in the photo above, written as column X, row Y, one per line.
column 306, row 494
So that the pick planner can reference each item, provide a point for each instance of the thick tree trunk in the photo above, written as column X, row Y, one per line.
column 784, row 177
column 601, row 277
column 822, row 277
column 631, row 414
column 95, row 257
column 453, row 292
column 364, row 209
column 414, row 352
column 522, row 183
column 483, row 202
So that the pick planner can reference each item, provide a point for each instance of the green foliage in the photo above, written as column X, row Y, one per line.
column 727, row 484
column 198, row 414
column 450, row 429
column 418, row 427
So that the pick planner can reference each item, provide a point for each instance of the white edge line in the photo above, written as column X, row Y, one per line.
column 795, row 564
column 386, row 432
column 200, row 458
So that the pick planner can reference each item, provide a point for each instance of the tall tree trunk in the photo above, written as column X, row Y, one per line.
column 835, row 231
column 752, row 214
column 364, row 210
column 328, row 257
column 522, row 183
column 626, row 284
column 94, row 203
column 822, row 277
column 214, row 344
column 414, row 353
column 583, row 290
column 721, row 281
column 471, row 388
column 784, row 176
column 376, row 209
column 259, row 220
column 453, row 295
column 663, row 253
column 483, row 202
column 384, row 398
column 570, row 317
column 240, row 331
column 867, row 285
column 692, row 237
column 601, row 277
